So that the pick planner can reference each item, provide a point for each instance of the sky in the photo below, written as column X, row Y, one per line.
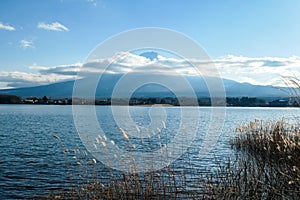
column 250, row 41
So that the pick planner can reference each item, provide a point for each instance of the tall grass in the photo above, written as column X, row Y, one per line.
column 266, row 165
column 127, row 186
column 92, row 180
column 293, row 85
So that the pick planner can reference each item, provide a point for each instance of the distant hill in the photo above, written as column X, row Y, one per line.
column 108, row 82
column 62, row 89
column 9, row 99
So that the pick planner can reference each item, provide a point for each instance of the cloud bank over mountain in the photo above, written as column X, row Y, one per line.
column 257, row 71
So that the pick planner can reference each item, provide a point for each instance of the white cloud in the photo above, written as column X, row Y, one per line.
column 6, row 27
column 55, row 26
column 24, row 79
column 25, row 44
column 258, row 71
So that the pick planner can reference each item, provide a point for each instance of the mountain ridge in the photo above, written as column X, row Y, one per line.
column 108, row 82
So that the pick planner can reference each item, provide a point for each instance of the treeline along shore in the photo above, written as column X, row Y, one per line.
column 168, row 101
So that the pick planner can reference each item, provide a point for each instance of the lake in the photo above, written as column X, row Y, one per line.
column 32, row 161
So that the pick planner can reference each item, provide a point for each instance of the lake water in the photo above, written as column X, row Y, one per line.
column 32, row 161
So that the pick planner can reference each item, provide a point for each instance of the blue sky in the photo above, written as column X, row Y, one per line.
column 63, row 32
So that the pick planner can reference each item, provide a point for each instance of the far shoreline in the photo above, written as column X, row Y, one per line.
column 150, row 105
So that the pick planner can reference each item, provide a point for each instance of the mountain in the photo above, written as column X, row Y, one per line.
column 150, row 55
column 108, row 82
column 61, row 89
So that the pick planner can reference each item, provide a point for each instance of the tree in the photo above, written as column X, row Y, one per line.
column 45, row 98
